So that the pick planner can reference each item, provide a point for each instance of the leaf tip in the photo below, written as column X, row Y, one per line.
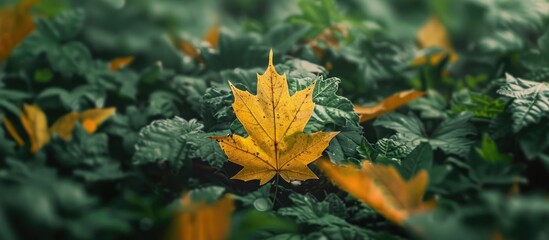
column 271, row 57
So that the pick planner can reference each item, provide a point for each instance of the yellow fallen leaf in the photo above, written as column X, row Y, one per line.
column 64, row 125
column 15, row 24
column 92, row 118
column 329, row 39
column 434, row 34
column 36, row 125
column 119, row 63
column 381, row 187
column 13, row 133
column 387, row 105
column 211, row 37
column 274, row 121
column 200, row 221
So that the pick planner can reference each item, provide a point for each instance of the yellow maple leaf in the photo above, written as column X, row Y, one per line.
column 119, row 63
column 35, row 124
column 274, row 121
column 387, row 105
column 202, row 221
column 92, row 118
column 434, row 34
column 381, row 187
column 15, row 24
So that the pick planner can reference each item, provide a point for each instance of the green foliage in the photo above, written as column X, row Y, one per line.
column 530, row 100
column 450, row 136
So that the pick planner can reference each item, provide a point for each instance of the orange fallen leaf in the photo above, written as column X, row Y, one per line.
column 274, row 121
column 328, row 38
column 64, row 125
column 434, row 34
column 201, row 221
column 36, row 125
column 381, row 187
column 119, row 63
column 92, row 118
column 211, row 37
column 15, row 24
column 13, row 133
column 387, row 105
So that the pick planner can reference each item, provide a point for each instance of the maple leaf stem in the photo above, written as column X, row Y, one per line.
column 276, row 190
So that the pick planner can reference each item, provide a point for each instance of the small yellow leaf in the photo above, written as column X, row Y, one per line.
column 92, row 118
column 329, row 39
column 119, row 63
column 64, row 125
column 274, row 121
column 381, row 187
column 188, row 48
column 200, row 221
column 212, row 36
column 36, row 125
column 15, row 24
column 434, row 34
column 13, row 133
column 387, row 105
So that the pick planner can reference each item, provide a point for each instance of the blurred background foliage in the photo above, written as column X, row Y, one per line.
column 483, row 63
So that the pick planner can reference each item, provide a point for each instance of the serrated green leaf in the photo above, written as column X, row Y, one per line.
column 163, row 140
column 451, row 136
column 488, row 151
column 420, row 158
column 530, row 100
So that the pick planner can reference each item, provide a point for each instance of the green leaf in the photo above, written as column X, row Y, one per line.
column 63, row 26
column 534, row 140
column 421, row 158
column 70, row 58
column 451, row 136
column 431, row 106
column 480, row 105
column 343, row 146
column 206, row 194
column 163, row 140
column 164, row 103
column 282, row 37
column 216, row 109
column 530, row 100
column 49, row 37
column 6, row 146
column 206, row 149
column 489, row 151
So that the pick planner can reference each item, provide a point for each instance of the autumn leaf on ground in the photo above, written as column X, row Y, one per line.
column 434, row 34
column 13, row 133
column 328, row 38
column 92, row 118
column 274, row 121
column 203, row 221
column 36, row 125
column 119, row 63
column 211, row 37
column 64, row 125
column 15, row 24
column 382, row 188
column 389, row 104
